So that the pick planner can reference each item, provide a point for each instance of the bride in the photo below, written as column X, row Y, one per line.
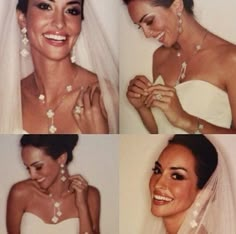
column 193, row 77
column 52, row 200
column 68, row 85
column 186, row 187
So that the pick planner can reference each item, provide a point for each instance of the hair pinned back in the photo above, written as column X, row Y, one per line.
column 53, row 145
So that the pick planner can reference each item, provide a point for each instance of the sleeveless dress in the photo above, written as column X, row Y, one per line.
column 32, row 224
column 198, row 98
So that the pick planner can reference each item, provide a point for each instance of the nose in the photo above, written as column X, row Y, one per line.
column 59, row 20
column 33, row 174
column 147, row 32
column 161, row 182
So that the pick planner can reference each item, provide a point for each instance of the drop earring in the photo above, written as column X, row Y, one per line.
column 24, row 52
column 73, row 55
column 62, row 171
column 180, row 22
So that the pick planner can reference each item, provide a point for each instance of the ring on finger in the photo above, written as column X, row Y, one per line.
column 159, row 96
column 78, row 109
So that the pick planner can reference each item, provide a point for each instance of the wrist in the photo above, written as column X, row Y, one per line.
column 189, row 123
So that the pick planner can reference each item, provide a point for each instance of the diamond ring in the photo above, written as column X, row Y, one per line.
column 159, row 97
column 78, row 109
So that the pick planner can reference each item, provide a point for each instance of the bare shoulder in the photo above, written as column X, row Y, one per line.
column 22, row 190
column 87, row 77
column 160, row 55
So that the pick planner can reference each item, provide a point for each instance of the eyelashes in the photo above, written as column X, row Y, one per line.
column 73, row 11
column 174, row 175
column 47, row 7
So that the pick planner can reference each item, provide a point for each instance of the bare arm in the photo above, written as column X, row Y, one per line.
column 15, row 208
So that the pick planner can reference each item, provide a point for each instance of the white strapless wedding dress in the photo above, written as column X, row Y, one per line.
column 32, row 224
column 198, row 98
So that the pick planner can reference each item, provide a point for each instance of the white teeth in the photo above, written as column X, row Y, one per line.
column 55, row 37
column 161, row 198
column 160, row 35
column 40, row 180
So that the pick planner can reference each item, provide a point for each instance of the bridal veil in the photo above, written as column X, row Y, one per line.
column 93, row 51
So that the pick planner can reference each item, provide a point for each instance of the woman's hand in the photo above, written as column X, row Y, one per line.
column 166, row 99
column 80, row 186
column 88, row 111
column 137, row 91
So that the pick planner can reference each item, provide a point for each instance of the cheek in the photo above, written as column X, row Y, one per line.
column 186, row 192
column 152, row 183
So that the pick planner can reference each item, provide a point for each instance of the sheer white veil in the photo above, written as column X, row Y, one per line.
column 214, row 209
column 92, row 52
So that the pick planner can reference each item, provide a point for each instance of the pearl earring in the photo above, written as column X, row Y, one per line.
column 24, row 52
column 180, row 22
column 62, row 171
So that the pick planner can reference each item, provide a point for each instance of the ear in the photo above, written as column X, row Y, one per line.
column 62, row 159
column 21, row 18
column 177, row 6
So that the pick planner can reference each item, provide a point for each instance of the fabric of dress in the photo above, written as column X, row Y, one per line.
column 213, row 211
column 32, row 224
column 198, row 98
column 92, row 51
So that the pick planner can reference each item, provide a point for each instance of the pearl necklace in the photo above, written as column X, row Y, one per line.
column 184, row 64
column 50, row 112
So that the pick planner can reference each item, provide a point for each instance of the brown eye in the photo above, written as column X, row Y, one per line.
column 177, row 176
column 156, row 170
column 44, row 6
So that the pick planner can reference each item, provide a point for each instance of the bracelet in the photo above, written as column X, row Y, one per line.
column 199, row 127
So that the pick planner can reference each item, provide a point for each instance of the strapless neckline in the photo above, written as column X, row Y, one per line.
column 41, row 220
column 198, row 98
column 32, row 223
column 160, row 80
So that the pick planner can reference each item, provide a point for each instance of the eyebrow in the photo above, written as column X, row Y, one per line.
column 35, row 163
column 69, row 3
column 143, row 17
column 179, row 168
column 158, row 164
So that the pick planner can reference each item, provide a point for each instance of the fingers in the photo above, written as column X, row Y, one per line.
column 160, row 87
column 96, row 97
column 160, row 94
column 78, row 182
column 138, row 85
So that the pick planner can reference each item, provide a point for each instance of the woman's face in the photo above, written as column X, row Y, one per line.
column 52, row 26
column 156, row 21
column 42, row 168
column 173, row 185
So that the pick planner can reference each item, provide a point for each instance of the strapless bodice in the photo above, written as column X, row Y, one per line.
column 201, row 99
column 32, row 224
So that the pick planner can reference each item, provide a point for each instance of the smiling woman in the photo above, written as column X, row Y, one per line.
column 64, row 70
column 187, row 185
column 188, row 61
column 52, row 195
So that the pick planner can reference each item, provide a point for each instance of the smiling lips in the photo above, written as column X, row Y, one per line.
column 160, row 36
column 41, row 180
column 55, row 37
column 161, row 200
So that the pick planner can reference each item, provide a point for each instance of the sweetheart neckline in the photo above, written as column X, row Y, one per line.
column 194, row 80
column 32, row 214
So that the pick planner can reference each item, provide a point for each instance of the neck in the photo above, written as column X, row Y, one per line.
column 52, row 77
column 193, row 34
column 173, row 223
column 59, row 188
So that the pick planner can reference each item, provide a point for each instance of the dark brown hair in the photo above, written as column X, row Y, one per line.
column 22, row 5
column 53, row 145
column 204, row 152
column 188, row 4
